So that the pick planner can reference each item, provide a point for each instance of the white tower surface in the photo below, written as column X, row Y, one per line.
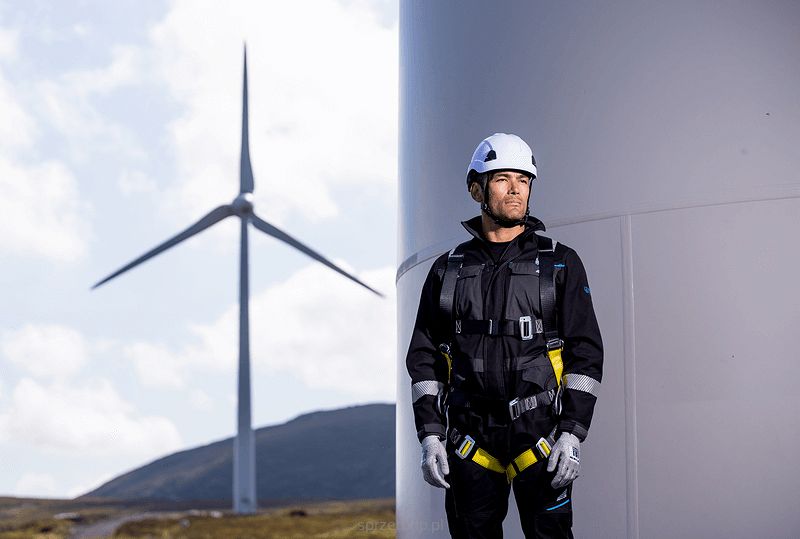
column 666, row 137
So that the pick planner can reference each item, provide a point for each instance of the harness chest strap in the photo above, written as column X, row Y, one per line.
column 516, row 407
column 520, row 405
column 525, row 327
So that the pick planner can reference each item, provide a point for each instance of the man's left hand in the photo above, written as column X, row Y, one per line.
column 567, row 455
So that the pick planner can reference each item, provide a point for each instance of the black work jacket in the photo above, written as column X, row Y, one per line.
column 496, row 366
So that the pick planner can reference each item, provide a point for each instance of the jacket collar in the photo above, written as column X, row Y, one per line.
column 475, row 227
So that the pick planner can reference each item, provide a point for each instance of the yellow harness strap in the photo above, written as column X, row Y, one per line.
column 480, row 456
column 444, row 349
column 524, row 460
column 487, row 461
column 557, row 363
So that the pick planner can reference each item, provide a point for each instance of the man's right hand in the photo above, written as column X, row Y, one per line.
column 434, row 461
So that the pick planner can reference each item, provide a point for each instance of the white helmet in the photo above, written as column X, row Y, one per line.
column 502, row 151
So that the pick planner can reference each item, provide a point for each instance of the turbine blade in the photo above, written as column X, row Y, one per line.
column 245, row 169
column 213, row 217
column 276, row 233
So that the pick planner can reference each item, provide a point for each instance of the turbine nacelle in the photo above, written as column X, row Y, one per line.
column 243, row 204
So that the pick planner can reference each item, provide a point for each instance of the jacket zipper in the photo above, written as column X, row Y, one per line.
column 502, row 377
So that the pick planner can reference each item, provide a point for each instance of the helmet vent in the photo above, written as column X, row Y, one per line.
column 491, row 156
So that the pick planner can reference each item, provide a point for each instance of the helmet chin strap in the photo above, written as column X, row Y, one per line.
column 505, row 223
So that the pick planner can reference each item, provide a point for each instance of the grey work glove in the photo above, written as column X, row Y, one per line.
column 567, row 455
column 434, row 461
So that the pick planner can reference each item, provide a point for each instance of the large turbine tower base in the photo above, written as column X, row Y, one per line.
column 244, row 473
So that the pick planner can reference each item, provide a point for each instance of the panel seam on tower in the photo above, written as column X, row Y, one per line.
column 629, row 357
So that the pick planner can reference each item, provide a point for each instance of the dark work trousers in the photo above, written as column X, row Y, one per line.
column 477, row 500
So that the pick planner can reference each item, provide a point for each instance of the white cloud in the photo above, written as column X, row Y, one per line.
column 135, row 182
column 35, row 484
column 329, row 331
column 46, row 350
column 68, row 103
column 69, row 109
column 156, row 366
column 384, row 11
column 200, row 400
column 323, row 102
column 322, row 115
column 214, row 348
column 8, row 43
column 18, row 129
column 41, row 212
column 102, row 345
column 80, row 30
column 317, row 325
column 126, row 67
column 83, row 419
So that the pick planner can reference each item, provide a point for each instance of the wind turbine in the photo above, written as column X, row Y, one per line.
column 244, row 486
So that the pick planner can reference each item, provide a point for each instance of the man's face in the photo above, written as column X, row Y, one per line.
column 508, row 194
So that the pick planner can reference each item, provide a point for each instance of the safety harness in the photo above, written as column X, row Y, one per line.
column 524, row 328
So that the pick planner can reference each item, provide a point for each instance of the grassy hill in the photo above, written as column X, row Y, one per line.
column 339, row 454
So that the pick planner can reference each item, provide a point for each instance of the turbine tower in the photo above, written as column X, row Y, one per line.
column 244, row 476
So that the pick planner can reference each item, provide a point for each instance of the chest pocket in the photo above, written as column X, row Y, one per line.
column 538, row 372
column 523, row 291
column 468, row 296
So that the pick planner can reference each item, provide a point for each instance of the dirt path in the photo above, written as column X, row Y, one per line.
column 106, row 528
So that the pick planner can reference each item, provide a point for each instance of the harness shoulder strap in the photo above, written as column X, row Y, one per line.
column 455, row 259
column 547, row 288
column 547, row 299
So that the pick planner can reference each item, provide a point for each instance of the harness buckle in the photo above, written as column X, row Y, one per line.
column 514, row 409
column 555, row 344
column 543, row 446
column 466, row 445
column 525, row 328
column 517, row 407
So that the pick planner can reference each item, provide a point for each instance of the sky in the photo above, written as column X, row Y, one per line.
column 120, row 125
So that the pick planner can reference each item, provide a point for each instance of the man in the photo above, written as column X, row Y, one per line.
column 505, row 359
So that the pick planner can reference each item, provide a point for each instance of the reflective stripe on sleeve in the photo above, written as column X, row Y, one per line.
column 425, row 387
column 581, row 382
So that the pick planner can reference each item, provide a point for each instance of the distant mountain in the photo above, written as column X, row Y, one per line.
column 337, row 454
